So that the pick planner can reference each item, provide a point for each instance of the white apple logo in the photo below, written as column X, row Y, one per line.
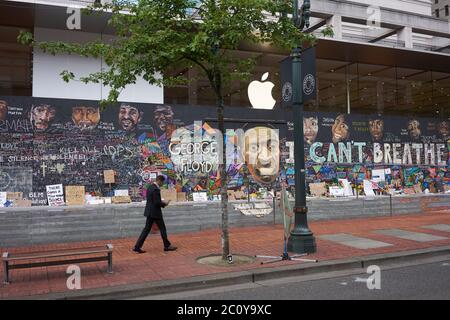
column 260, row 93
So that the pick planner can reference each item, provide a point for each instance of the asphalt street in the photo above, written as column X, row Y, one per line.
column 425, row 281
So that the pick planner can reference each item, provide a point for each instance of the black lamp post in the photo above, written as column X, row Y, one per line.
column 301, row 239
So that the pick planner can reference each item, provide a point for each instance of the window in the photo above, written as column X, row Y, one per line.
column 15, row 64
column 436, row 1
column 437, row 13
column 446, row 10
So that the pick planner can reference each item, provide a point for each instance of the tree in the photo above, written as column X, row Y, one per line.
column 156, row 35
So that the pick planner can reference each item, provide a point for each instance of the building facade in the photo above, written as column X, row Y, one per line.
column 440, row 9
column 381, row 113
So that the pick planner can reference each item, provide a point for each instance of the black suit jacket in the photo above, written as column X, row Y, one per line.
column 154, row 203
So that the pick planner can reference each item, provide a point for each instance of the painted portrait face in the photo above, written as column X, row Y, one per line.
column 443, row 128
column 376, row 129
column 3, row 110
column 85, row 117
column 129, row 117
column 262, row 154
column 310, row 129
column 163, row 117
column 42, row 115
column 340, row 130
column 414, row 129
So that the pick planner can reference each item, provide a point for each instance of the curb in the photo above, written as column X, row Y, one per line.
column 241, row 277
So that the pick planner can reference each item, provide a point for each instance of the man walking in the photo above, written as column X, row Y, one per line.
column 154, row 215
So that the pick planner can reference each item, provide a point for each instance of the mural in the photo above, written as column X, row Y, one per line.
column 53, row 141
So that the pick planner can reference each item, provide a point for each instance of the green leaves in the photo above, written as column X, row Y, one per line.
column 67, row 75
column 328, row 31
column 25, row 38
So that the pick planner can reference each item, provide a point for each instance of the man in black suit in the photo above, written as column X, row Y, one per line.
column 154, row 215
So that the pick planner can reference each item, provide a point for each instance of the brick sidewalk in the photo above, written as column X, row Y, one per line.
column 155, row 265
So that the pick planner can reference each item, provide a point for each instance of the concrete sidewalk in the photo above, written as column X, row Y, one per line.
column 340, row 244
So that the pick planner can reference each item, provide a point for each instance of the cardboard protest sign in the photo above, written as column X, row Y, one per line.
column 318, row 189
column 121, row 199
column 168, row 194
column 199, row 196
column 14, row 196
column 121, row 193
column 55, row 195
column 75, row 195
column 109, row 176
column 181, row 196
column 336, row 191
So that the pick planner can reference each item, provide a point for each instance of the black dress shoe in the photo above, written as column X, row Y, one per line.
column 138, row 250
column 170, row 248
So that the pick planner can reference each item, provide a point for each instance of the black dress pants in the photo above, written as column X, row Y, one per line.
column 148, row 228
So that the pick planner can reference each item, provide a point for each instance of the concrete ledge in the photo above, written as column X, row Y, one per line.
column 23, row 227
column 250, row 276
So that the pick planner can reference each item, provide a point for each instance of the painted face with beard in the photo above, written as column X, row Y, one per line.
column 42, row 115
column 85, row 118
column 262, row 154
column 129, row 117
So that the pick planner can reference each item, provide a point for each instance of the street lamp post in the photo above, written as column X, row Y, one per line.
column 301, row 239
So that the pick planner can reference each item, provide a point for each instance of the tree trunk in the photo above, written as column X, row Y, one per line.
column 222, row 169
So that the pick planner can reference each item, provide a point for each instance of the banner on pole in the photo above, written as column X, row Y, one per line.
column 308, row 83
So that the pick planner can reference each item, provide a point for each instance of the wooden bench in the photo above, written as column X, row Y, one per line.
column 99, row 253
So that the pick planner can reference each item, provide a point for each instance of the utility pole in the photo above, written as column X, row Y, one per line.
column 301, row 239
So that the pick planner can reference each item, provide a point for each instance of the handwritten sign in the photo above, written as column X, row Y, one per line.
column 318, row 189
column 55, row 195
column 14, row 196
column 109, row 176
column 167, row 195
column 38, row 198
column 121, row 193
column 75, row 195
column 254, row 209
column 181, row 196
column 121, row 199
column 199, row 196
column 336, row 191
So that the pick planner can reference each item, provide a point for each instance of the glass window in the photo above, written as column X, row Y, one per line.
column 15, row 64
column 342, row 86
